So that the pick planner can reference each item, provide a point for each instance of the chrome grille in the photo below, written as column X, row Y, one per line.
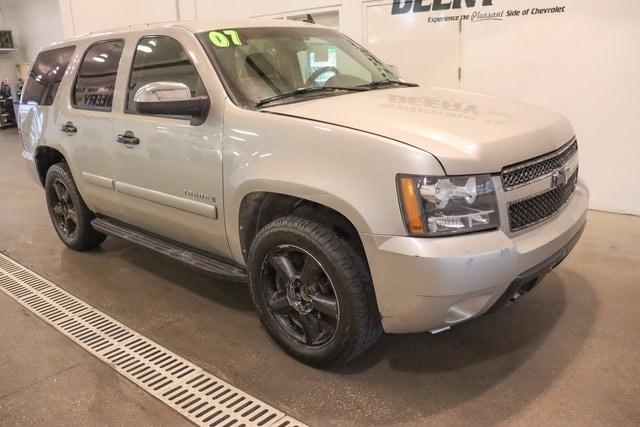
column 526, row 172
column 528, row 212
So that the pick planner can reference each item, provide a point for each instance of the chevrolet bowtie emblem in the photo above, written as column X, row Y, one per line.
column 560, row 176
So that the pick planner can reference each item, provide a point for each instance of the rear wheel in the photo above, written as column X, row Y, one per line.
column 69, row 214
column 312, row 292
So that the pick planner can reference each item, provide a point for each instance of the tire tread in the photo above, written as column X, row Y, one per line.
column 366, row 318
column 87, row 237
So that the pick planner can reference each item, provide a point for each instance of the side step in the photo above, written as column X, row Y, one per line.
column 193, row 257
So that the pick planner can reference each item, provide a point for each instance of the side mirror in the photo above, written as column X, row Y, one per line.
column 171, row 98
column 395, row 69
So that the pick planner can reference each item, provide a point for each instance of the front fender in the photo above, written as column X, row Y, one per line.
column 292, row 189
column 302, row 191
column 347, row 170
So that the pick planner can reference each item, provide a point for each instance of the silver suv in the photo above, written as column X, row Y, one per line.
column 287, row 156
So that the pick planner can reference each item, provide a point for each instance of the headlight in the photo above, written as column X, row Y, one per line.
column 440, row 206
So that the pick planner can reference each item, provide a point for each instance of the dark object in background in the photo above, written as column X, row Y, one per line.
column 6, row 40
column 5, row 89
column 7, row 114
column 19, row 87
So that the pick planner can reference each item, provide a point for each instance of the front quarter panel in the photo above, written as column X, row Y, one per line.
column 350, row 171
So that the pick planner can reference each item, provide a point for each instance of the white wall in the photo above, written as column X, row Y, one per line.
column 435, row 49
column 212, row 9
column 583, row 63
column 8, row 60
column 85, row 16
column 37, row 22
column 33, row 23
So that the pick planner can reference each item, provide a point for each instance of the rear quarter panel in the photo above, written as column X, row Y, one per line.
column 39, row 125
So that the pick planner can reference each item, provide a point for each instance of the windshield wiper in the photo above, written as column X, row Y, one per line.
column 306, row 90
column 388, row 82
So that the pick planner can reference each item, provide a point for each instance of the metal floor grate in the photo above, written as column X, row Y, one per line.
column 197, row 395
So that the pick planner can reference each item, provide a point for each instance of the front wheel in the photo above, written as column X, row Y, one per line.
column 312, row 292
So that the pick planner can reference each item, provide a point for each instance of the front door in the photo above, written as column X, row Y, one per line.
column 170, row 179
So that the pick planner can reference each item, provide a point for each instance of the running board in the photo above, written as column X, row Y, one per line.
column 193, row 257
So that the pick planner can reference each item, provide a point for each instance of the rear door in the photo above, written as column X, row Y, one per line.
column 170, row 183
column 86, row 125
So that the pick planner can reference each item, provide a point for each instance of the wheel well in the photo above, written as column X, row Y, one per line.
column 45, row 158
column 259, row 209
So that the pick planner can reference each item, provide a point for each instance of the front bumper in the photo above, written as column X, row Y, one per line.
column 424, row 284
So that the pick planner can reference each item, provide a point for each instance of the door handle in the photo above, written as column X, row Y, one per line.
column 69, row 128
column 128, row 138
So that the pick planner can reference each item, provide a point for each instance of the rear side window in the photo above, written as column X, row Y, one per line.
column 96, row 78
column 46, row 74
column 161, row 59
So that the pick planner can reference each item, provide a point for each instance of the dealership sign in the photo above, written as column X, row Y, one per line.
column 471, row 10
column 405, row 6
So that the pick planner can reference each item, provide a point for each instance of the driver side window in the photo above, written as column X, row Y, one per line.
column 162, row 59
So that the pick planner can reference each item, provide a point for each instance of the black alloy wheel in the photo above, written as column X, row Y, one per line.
column 64, row 212
column 312, row 290
column 69, row 214
column 300, row 295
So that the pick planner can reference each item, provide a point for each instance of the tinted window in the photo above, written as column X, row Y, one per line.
column 46, row 74
column 97, row 76
column 162, row 59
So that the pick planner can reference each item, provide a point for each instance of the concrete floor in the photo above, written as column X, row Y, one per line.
column 568, row 353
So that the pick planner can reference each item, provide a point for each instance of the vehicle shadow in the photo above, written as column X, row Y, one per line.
column 504, row 359
column 501, row 361
column 493, row 366
column 232, row 295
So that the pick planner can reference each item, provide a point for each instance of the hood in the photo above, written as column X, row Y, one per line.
column 468, row 132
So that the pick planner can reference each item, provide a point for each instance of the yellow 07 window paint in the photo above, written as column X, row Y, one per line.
column 221, row 38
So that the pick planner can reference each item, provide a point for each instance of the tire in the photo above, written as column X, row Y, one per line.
column 341, row 286
column 70, row 216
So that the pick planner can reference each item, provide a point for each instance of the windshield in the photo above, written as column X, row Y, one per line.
column 259, row 63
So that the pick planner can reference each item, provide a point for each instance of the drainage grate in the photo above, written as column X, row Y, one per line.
column 197, row 395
